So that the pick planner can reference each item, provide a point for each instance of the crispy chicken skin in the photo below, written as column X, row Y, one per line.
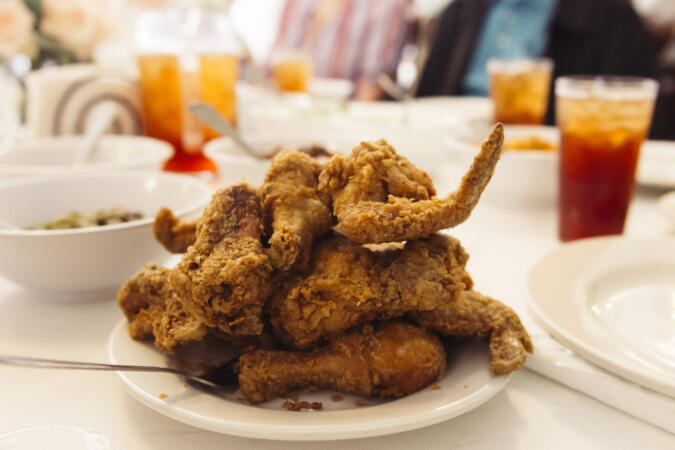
column 154, row 311
column 386, row 360
column 350, row 285
column 223, row 279
column 292, row 210
column 379, row 196
column 356, row 309
column 174, row 235
column 475, row 315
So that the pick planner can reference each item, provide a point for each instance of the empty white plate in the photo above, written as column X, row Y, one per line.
column 612, row 300
column 466, row 384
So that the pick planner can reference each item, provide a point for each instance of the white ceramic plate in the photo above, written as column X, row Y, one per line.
column 656, row 167
column 467, row 384
column 612, row 300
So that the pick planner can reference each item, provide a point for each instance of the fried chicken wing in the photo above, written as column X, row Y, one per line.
column 154, row 311
column 176, row 236
column 223, row 279
column 386, row 360
column 475, row 315
column 379, row 196
column 350, row 285
column 293, row 212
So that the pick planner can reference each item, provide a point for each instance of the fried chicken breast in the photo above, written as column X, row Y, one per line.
column 350, row 285
column 223, row 279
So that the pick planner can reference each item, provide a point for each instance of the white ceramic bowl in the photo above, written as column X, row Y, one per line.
column 235, row 165
column 424, row 148
column 54, row 155
column 333, row 89
column 522, row 177
column 88, row 263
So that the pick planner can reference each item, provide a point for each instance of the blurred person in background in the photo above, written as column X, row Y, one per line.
column 349, row 39
column 659, row 16
column 600, row 37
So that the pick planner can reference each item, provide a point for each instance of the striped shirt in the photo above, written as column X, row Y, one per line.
column 352, row 39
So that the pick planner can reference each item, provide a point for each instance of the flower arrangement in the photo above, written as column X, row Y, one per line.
column 53, row 31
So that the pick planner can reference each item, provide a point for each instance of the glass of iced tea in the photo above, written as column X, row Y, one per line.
column 186, row 53
column 292, row 71
column 519, row 90
column 603, row 122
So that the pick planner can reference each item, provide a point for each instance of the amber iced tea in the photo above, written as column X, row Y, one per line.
column 603, row 123
column 168, row 86
column 292, row 71
column 519, row 90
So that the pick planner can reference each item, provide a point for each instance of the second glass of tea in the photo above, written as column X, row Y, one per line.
column 603, row 122
column 292, row 70
column 519, row 90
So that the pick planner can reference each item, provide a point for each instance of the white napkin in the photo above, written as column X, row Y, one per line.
column 559, row 363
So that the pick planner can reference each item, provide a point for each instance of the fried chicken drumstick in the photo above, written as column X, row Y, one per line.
column 475, row 315
column 386, row 360
column 379, row 196
column 350, row 285
column 223, row 279
column 293, row 212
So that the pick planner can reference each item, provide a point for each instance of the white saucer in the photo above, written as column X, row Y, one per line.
column 612, row 300
column 656, row 167
column 467, row 384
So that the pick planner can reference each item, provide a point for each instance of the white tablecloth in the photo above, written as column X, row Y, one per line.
column 72, row 410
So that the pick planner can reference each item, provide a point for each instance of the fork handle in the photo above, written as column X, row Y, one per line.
column 60, row 364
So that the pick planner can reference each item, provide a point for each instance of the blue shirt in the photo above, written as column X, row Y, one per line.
column 513, row 29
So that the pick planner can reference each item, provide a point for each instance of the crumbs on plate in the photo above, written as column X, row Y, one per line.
column 295, row 405
column 163, row 396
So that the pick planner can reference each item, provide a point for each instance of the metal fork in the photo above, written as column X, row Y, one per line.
column 218, row 378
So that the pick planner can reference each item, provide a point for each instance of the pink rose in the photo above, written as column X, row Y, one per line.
column 78, row 25
column 16, row 28
column 150, row 4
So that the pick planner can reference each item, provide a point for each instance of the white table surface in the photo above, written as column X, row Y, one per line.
column 72, row 409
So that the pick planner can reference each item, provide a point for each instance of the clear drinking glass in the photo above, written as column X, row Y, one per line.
column 187, row 51
column 519, row 90
column 603, row 122
column 292, row 70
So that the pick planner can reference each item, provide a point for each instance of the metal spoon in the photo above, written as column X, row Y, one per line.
column 208, row 115
column 218, row 378
column 103, row 117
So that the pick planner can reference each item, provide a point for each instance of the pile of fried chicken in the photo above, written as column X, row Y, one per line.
column 341, row 264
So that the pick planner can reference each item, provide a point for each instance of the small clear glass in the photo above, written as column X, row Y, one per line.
column 519, row 90
column 603, row 122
